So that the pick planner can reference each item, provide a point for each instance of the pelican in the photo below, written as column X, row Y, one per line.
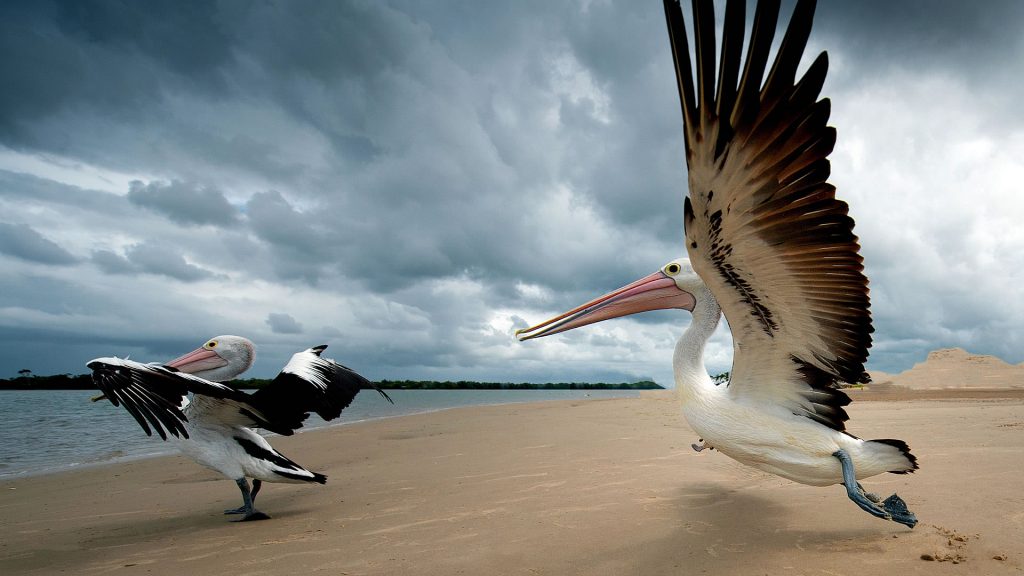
column 215, row 428
column 771, row 247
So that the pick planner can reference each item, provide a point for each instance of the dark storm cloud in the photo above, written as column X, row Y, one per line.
column 185, row 203
column 113, row 58
column 974, row 44
column 43, row 293
column 22, row 241
column 934, row 33
column 424, row 130
column 33, row 348
column 407, row 148
column 283, row 324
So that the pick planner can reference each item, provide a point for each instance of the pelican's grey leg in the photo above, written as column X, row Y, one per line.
column 892, row 508
column 247, row 508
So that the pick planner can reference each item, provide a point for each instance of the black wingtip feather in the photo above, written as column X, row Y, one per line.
column 681, row 62
column 289, row 399
column 783, row 72
column 766, row 17
column 826, row 400
column 152, row 393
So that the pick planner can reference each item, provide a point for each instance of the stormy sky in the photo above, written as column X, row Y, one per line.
column 410, row 181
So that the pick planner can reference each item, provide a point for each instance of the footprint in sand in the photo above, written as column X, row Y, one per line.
column 955, row 549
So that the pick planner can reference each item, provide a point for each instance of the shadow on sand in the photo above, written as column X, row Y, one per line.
column 724, row 531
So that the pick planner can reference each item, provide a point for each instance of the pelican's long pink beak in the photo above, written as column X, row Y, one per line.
column 197, row 360
column 654, row 292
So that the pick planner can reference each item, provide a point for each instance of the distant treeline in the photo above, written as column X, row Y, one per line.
column 470, row 385
column 57, row 382
column 84, row 382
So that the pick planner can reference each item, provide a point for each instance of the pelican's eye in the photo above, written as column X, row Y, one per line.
column 211, row 344
column 673, row 269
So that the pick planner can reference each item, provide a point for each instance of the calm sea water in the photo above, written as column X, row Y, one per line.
column 47, row 431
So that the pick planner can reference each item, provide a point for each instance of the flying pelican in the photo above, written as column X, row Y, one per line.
column 215, row 428
column 771, row 247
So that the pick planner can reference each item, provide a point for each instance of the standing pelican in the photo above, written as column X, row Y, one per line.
column 771, row 247
column 215, row 428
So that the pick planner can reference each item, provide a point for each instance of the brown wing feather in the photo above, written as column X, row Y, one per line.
column 763, row 226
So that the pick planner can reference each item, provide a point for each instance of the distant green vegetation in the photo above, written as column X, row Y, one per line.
column 84, row 382
column 57, row 382
column 470, row 385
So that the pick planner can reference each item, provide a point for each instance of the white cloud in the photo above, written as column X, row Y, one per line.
column 68, row 171
column 933, row 184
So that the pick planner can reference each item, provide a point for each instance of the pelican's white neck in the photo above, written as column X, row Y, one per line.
column 688, row 359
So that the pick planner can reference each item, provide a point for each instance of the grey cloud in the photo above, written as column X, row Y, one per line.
column 281, row 323
column 102, row 56
column 112, row 263
column 156, row 259
column 27, row 190
column 275, row 220
column 299, row 241
column 184, row 203
column 22, row 241
column 147, row 258
column 929, row 32
column 43, row 293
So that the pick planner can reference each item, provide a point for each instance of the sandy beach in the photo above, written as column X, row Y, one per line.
column 604, row 487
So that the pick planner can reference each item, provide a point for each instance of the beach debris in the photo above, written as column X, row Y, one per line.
column 703, row 445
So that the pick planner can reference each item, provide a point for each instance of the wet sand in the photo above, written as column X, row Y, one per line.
column 603, row 487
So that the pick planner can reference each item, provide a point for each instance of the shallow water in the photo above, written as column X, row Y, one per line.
column 50, row 430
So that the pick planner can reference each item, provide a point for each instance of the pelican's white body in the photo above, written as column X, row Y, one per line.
column 760, row 434
column 211, row 442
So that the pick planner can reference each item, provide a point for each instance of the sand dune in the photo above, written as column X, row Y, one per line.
column 602, row 487
column 956, row 368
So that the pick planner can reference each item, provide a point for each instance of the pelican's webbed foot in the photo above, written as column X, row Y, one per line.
column 892, row 508
column 248, row 498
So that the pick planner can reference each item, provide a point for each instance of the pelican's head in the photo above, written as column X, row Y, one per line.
column 221, row 359
column 673, row 286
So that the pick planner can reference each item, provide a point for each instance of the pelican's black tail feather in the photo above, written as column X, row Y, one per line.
column 904, row 450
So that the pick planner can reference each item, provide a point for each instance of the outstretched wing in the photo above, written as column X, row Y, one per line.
column 156, row 395
column 763, row 226
column 309, row 383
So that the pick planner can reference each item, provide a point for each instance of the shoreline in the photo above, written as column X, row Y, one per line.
column 551, row 487
column 154, row 447
column 872, row 393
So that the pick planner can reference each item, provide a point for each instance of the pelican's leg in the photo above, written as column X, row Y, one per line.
column 892, row 508
column 256, row 485
column 247, row 508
